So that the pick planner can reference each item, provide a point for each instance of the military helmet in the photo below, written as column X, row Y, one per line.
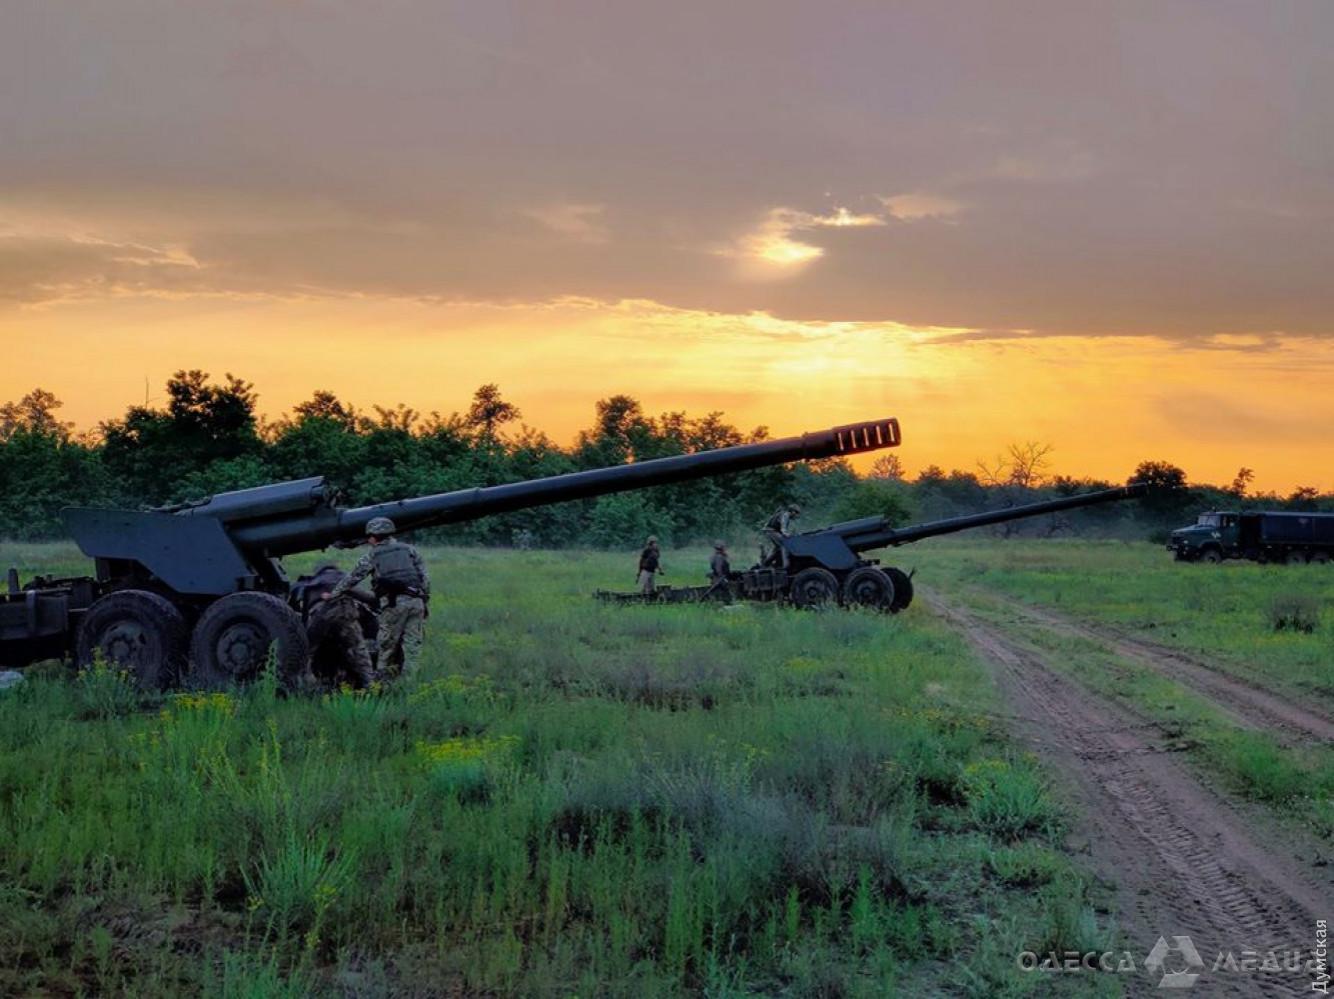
column 652, row 539
column 793, row 508
column 720, row 545
column 381, row 527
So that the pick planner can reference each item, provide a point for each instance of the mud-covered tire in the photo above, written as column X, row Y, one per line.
column 903, row 590
column 1211, row 556
column 814, row 589
column 1295, row 558
column 231, row 642
column 138, row 631
column 869, row 586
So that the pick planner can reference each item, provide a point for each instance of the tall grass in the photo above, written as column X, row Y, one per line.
column 569, row 799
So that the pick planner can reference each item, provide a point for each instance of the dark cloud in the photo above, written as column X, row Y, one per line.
column 1053, row 167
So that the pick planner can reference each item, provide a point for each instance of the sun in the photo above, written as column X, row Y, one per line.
column 787, row 252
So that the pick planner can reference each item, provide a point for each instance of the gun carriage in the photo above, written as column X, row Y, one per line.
column 827, row 567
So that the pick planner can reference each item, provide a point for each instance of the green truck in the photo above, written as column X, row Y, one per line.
column 1258, row 535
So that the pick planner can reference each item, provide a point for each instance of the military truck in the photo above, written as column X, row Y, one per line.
column 1257, row 535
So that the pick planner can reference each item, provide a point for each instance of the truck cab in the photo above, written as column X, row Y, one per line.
column 1213, row 537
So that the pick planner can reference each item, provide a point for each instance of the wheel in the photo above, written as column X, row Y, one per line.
column 1211, row 555
column 1320, row 558
column 232, row 640
column 902, row 589
column 1296, row 557
column 814, row 588
column 869, row 586
column 138, row 631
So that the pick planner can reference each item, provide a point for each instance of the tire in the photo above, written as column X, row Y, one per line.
column 1211, row 556
column 869, row 586
column 1295, row 557
column 903, row 590
column 1320, row 558
column 814, row 589
column 232, row 640
column 138, row 631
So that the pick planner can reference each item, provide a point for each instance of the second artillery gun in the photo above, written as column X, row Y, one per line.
column 200, row 587
column 826, row 567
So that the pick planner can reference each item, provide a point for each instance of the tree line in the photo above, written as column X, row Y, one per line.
column 209, row 437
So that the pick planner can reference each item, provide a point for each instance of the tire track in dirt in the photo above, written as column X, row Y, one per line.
column 1251, row 706
column 1184, row 860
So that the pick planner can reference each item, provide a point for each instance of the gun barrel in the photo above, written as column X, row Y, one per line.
column 874, row 532
column 305, row 532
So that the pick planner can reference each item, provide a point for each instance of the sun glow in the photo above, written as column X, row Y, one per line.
column 962, row 395
column 786, row 252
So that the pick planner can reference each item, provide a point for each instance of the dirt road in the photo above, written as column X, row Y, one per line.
column 1249, row 705
column 1185, row 860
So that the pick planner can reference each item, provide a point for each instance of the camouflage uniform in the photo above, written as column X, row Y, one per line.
column 399, row 578
column 338, row 643
column 720, row 573
column 649, row 566
column 777, row 527
column 337, row 629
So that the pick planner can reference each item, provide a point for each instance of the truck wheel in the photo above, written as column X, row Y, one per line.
column 138, row 631
column 902, row 589
column 1211, row 555
column 1320, row 557
column 1296, row 558
column 814, row 589
column 869, row 586
column 232, row 640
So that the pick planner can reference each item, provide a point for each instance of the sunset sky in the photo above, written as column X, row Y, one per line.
column 1107, row 226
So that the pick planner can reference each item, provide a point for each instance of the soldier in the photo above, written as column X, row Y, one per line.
column 776, row 528
column 782, row 519
column 399, row 580
column 719, row 566
column 720, row 573
column 337, row 629
column 650, row 564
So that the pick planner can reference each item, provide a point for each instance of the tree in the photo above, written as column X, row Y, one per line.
column 324, row 405
column 154, row 453
column 1023, row 466
column 624, row 520
column 1241, row 482
column 489, row 411
column 1304, row 499
column 887, row 466
column 34, row 413
column 1168, row 495
column 621, row 432
column 43, row 468
column 874, row 498
column 400, row 419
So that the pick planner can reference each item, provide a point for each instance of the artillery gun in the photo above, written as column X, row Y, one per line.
column 201, row 586
column 825, row 567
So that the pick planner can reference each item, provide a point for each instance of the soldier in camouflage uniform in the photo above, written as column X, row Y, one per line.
column 720, row 573
column 650, row 564
column 398, row 577
column 776, row 528
column 337, row 630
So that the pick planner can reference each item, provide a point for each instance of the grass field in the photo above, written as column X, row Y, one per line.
column 1235, row 616
column 570, row 800
column 1226, row 611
